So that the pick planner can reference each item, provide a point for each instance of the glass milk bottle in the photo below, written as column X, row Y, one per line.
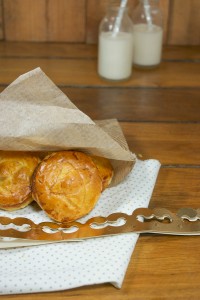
column 115, row 46
column 147, row 34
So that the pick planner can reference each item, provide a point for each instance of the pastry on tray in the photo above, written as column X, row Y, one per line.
column 68, row 184
column 16, row 169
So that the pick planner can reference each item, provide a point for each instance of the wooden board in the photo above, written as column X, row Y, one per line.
column 66, row 50
column 152, row 105
column 72, row 72
column 42, row 20
column 25, row 20
column 66, row 20
column 149, row 277
column 1, row 20
column 173, row 188
column 165, row 9
column 169, row 143
column 184, row 23
column 186, row 53
column 146, row 105
column 78, row 21
column 49, row 50
column 94, row 13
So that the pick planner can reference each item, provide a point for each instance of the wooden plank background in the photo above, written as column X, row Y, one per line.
column 41, row 20
column 1, row 21
column 78, row 20
column 184, row 24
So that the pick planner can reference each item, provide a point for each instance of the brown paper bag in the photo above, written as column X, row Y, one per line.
column 35, row 115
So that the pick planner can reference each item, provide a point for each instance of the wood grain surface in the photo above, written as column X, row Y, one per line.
column 24, row 20
column 66, row 20
column 146, row 105
column 174, row 105
column 184, row 23
column 169, row 143
column 1, row 21
column 63, row 50
column 159, row 112
column 71, row 72
column 43, row 20
column 78, row 21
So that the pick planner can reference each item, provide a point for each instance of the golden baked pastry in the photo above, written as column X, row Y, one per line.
column 16, row 169
column 105, row 170
column 66, row 185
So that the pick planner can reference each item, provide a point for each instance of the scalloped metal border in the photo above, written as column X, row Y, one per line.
column 142, row 220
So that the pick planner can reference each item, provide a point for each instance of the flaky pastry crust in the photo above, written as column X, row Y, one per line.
column 16, row 169
column 105, row 170
column 66, row 185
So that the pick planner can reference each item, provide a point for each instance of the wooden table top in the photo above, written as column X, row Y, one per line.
column 159, row 111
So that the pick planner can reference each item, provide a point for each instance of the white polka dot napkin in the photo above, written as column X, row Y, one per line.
column 66, row 265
